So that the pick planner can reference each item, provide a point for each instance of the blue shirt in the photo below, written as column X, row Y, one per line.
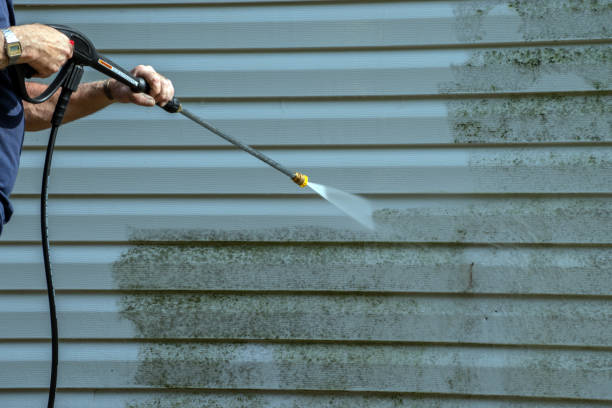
column 11, row 127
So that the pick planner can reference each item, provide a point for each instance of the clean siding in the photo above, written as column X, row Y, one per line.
column 189, row 274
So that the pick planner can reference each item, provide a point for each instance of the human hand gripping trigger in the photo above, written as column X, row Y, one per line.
column 160, row 93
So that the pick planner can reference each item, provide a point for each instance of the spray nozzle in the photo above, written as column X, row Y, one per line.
column 300, row 179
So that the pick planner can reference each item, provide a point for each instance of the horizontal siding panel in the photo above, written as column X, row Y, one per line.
column 482, row 320
column 379, row 73
column 243, row 27
column 351, row 24
column 441, row 370
column 313, row 268
column 157, row 399
column 552, row 221
column 560, row 119
column 377, row 170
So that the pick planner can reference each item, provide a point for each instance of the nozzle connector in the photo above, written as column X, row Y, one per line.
column 300, row 179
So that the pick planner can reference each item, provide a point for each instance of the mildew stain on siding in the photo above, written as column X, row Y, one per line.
column 315, row 400
column 527, row 170
column 540, row 19
column 543, row 119
column 290, row 266
column 362, row 267
column 347, row 317
column 533, row 119
column 519, row 69
column 391, row 368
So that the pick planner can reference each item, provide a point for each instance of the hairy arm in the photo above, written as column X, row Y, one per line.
column 89, row 98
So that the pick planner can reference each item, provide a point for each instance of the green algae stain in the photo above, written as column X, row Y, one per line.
column 564, row 19
column 540, row 20
column 203, row 400
column 545, row 119
column 254, row 266
column 270, row 317
column 517, row 69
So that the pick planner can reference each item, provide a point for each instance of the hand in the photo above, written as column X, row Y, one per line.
column 162, row 90
column 42, row 47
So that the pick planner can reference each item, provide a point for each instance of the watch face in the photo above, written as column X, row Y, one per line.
column 13, row 50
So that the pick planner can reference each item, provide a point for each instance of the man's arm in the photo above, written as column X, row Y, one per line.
column 90, row 97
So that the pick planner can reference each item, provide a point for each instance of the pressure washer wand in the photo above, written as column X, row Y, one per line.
column 298, row 178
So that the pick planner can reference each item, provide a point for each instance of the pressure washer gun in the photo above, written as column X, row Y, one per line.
column 85, row 54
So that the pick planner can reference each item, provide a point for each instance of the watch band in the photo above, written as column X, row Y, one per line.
column 12, row 46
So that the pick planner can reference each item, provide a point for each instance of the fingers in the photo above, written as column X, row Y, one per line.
column 168, row 92
column 161, row 90
column 44, row 48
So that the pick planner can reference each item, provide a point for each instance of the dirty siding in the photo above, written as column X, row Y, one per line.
column 190, row 275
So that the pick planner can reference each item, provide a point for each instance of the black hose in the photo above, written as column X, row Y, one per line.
column 48, row 275
column 71, row 83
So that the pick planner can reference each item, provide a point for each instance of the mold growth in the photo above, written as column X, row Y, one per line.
column 271, row 317
column 292, row 267
column 280, row 234
column 280, row 366
column 349, row 318
column 530, row 170
column 540, row 20
column 517, row 221
column 546, row 119
column 515, row 69
column 564, row 19
column 331, row 400
column 389, row 368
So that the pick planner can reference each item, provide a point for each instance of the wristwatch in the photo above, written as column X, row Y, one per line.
column 12, row 46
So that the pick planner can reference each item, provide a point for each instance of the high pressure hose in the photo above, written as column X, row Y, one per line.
column 71, row 83
column 48, row 274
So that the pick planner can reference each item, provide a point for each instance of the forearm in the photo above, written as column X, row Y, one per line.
column 87, row 99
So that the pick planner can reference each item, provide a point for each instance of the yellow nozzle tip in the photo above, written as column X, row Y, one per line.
column 305, row 183
column 300, row 179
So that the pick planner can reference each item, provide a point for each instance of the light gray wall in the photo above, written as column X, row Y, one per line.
column 189, row 274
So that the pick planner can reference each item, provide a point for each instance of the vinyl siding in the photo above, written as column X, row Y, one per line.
column 189, row 274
